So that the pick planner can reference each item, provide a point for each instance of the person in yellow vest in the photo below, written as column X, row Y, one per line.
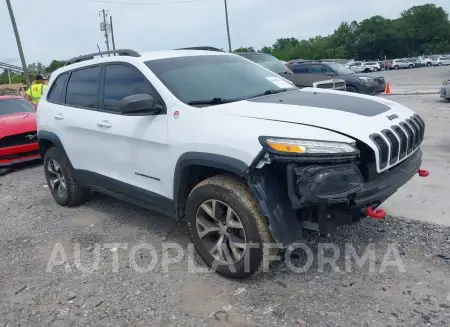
column 36, row 89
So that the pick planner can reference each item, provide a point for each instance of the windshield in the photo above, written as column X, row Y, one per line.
column 340, row 69
column 226, row 77
column 14, row 106
column 267, row 61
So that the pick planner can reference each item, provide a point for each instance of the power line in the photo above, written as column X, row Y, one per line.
column 145, row 3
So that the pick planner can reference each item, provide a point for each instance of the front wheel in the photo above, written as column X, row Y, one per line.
column 375, row 69
column 440, row 64
column 352, row 89
column 65, row 190
column 396, row 67
column 411, row 66
column 226, row 227
column 428, row 64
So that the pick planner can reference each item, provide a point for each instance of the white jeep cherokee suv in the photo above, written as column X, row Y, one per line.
column 246, row 158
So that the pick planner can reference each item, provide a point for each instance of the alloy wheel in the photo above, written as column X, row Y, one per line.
column 221, row 231
column 56, row 178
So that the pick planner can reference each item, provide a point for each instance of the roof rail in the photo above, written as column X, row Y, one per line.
column 206, row 48
column 120, row 52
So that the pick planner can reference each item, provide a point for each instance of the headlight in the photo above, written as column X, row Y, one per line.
column 365, row 79
column 300, row 146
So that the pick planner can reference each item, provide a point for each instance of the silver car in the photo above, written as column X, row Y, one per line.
column 445, row 90
column 401, row 63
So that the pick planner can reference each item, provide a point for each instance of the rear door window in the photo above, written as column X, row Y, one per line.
column 82, row 88
column 319, row 69
column 300, row 69
column 56, row 91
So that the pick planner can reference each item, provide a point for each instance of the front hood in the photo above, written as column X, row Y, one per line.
column 17, row 123
column 354, row 115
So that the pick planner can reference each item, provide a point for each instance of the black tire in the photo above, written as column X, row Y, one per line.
column 352, row 89
column 375, row 69
column 440, row 64
column 429, row 64
column 236, row 196
column 74, row 194
column 396, row 67
column 411, row 66
column 367, row 70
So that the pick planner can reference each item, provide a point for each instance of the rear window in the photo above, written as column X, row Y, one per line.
column 14, row 106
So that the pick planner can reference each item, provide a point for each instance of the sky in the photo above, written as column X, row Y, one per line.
column 61, row 29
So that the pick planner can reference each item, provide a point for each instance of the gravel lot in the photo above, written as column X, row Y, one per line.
column 116, row 294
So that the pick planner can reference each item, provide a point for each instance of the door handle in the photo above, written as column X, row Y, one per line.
column 58, row 116
column 104, row 123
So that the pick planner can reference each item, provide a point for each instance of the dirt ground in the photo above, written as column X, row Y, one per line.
column 405, row 283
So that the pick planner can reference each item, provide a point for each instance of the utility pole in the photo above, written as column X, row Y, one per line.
column 104, row 27
column 112, row 33
column 228, row 26
column 19, row 44
column 98, row 47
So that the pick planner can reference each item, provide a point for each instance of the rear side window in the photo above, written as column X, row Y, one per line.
column 122, row 81
column 319, row 69
column 82, row 89
column 57, row 88
column 300, row 69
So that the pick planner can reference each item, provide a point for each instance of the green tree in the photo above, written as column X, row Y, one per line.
column 54, row 65
column 243, row 49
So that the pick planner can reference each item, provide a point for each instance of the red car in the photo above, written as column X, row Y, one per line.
column 18, row 136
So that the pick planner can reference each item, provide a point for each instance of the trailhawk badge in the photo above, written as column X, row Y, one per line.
column 31, row 136
column 392, row 117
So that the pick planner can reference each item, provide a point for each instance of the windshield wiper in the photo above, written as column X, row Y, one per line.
column 268, row 92
column 212, row 101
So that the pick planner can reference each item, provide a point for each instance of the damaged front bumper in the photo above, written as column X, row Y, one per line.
column 320, row 196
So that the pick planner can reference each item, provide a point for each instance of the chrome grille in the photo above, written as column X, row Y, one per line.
column 400, row 141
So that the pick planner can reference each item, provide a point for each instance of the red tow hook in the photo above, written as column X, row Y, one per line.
column 376, row 214
column 423, row 173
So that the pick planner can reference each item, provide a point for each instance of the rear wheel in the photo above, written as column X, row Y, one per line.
column 367, row 70
column 226, row 227
column 396, row 67
column 440, row 64
column 411, row 66
column 58, row 174
column 375, row 69
column 428, row 64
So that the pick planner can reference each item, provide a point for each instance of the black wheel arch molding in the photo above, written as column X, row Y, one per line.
column 48, row 139
column 187, row 160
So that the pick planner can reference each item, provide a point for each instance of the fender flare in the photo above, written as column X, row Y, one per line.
column 187, row 159
column 44, row 135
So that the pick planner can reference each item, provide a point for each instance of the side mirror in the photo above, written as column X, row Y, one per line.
column 139, row 104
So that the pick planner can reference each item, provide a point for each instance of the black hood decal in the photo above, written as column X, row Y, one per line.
column 341, row 102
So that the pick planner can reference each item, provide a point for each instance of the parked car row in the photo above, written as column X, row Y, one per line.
column 325, row 81
column 400, row 63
